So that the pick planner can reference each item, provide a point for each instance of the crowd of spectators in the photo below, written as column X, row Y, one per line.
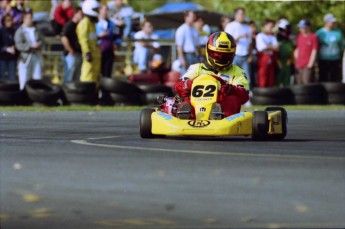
column 274, row 56
column 271, row 56
column 278, row 57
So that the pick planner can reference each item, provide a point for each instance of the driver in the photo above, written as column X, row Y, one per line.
column 220, row 52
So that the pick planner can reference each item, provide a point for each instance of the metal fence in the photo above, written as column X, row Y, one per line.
column 53, row 52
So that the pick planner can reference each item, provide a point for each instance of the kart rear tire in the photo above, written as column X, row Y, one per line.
column 284, row 123
column 260, row 125
column 145, row 124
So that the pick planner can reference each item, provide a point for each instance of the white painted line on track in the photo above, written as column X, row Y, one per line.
column 199, row 152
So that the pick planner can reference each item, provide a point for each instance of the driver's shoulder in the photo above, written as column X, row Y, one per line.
column 235, row 69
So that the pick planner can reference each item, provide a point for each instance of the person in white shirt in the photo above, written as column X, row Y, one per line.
column 144, row 50
column 204, row 32
column 28, row 42
column 267, row 46
column 121, row 15
column 242, row 34
column 186, row 39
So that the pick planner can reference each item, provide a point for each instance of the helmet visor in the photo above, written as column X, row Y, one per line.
column 220, row 57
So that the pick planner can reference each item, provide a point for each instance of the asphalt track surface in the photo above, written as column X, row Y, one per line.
column 92, row 170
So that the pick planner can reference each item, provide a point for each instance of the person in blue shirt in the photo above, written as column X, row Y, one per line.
column 108, row 39
column 331, row 46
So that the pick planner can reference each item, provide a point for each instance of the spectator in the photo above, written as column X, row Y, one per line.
column 267, row 46
column 254, row 64
column 305, row 53
column 330, row 50
column 121, row 15
column 108, row 35
column 285, row 54
column 224, row 20
column 5, row 8
column 144, row 50
column 54, row 4
column 28, row 42
column 87, row 37
column 63, row 13
column 72, row 55
column 242, row 34
column 204, row 31
column 8, row 52
column 186, row 39
column 18, row 10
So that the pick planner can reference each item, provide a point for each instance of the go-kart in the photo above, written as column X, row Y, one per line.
column 270, row 124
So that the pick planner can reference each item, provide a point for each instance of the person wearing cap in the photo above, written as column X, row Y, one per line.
column 330, row 50
column 305, row 53
column 285, row 54
column 87, row 37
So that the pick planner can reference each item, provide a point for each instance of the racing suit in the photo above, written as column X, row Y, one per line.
column 231, row 96
column 90, row 69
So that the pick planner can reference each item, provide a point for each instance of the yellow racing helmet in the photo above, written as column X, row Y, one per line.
column 220, row 50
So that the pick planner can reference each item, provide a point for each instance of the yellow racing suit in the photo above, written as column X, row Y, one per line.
column 234, row 75
column 86, row 32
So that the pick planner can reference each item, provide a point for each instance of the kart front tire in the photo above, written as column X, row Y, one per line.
column 146, row 123
column 260, row 125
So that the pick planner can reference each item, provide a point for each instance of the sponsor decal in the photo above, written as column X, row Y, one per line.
column 224, row 42
column 202, row 109
column 235, row 116
column 199, row 123
column 203, row 99
column 166, row 117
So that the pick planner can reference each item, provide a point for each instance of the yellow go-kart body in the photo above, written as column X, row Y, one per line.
column 261, row 125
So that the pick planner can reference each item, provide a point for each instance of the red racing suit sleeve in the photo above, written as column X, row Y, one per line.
column 240, row 92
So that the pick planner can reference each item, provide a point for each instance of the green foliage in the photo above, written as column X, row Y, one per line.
column 40, row 5
column 44, row 5
column 145, row 6
column 256, row 10
column 294, row 11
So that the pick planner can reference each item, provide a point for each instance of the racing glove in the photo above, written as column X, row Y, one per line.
column 237, row 90
column 225, row 89
column 88, row 57
column 183, row 88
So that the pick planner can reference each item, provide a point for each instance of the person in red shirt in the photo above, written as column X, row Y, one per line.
column 305, row 53
column 63, row 13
